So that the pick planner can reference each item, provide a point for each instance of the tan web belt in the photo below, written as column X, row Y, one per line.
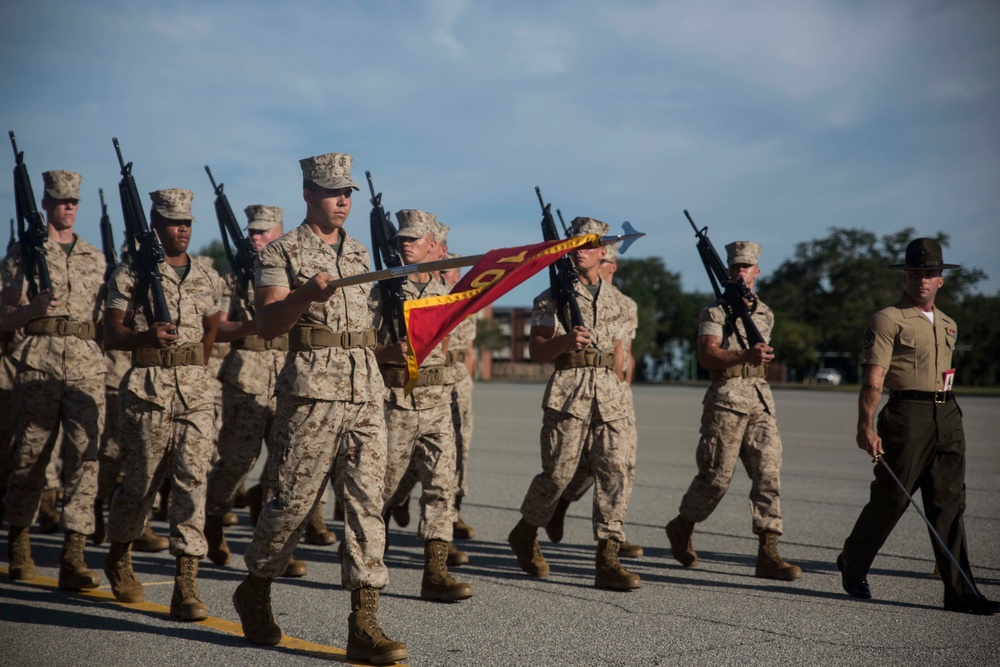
column 60, row 326
column 582, row 358
column 740, row 371
column 192, row 354
column 312, row 337
column 395, row 376
column 455, row 357
column 255, row 343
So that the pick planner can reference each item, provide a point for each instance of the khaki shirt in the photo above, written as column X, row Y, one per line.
column 331, row 373
column 915, row 352
column 458, row 341
column 427, row 396
column 575, row 390
column 743, row 395
column 76, row 281
column 189, row 301
column 250, row 371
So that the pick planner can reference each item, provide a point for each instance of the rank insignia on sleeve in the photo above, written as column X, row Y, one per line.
column 951, row 333
column 869, row 338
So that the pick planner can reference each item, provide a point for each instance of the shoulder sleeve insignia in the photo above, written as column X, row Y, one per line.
column 869, row 338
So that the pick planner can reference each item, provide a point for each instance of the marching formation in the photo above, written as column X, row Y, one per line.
column 111, row 399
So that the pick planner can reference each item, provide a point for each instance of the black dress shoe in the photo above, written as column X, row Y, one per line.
column 856, row 587
column 970, row 605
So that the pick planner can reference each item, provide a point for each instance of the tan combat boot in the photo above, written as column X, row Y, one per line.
column 523, row 541
column 557, row 524
column 437, row 584
column 366, row 641
column 255, row 502
column 456, row 556
column 629, row 550
column 48, row 511
column 610, row 573
column 21, row 567
column 770, row 565
column 185, row 603
column 218, row 550
column 150, row 542
column 118, row 570
column 252, row 600
column 401, row 514
column 100, row 532
column 73, row 572
column 240, row 499
column 460, row 529
column 679, row 532
column 316, row 532
column 230, row 519
column 295, row 568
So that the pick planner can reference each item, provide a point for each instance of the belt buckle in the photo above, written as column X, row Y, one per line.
column 62, row 327
column 167, row 357
column 940, row 396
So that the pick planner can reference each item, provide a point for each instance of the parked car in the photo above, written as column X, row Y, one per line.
column 828, row 376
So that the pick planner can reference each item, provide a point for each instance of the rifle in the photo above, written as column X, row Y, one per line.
column 562, row 222
column 144, row 249
column 563, row 276
column 732, row 294
column 107, row 239
column 10, row 239
column 31, row 229
column 240, row 252
column 387, row 255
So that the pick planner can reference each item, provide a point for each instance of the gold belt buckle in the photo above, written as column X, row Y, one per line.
column 943, row 396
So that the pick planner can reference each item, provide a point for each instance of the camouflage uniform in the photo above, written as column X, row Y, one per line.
column 420, row 430
column 456, row 376
column 59, row 386
column 117, row 363
column 738, row 422
column 249, row 374
column 581, row 402
column 328, row 416
column 8, row 366
column 167, row 421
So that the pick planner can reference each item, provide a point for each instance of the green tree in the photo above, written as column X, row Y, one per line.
column 217, row 252
column 977, row 353
column 489, row 335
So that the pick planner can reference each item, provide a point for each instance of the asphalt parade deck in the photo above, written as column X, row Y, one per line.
column 715, row 614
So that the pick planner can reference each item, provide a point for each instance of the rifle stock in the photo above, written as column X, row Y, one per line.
column 31, row 229
column 732, row 293
column 144, row 249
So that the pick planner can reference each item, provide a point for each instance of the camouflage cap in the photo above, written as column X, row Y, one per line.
column 261, row 217
column 331, row 171
column 172, row 203
column 581, row 226
column 742, row 252
column 414, row 224
column 612, row 255
column 62, row 184
column 441, row 233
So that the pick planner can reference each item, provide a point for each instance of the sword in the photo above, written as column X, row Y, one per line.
column 878, row 459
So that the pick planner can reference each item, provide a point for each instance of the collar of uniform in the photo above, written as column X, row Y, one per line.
column 80, row 247
column 909, row 309
column 310, row 239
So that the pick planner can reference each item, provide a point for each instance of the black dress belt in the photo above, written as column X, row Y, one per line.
column 914, row 395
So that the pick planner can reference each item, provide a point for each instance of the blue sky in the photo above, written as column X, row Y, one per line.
column 768, row 121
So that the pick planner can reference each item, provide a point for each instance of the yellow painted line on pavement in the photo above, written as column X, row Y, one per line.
column 322, row 651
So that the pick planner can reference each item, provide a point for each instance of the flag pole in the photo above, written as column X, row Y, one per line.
column 626, row 239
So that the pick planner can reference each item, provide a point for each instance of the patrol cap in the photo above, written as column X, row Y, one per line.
column 742, row 252
column 172, row 203
column 924, row 253
column 581, row 226
column 414, row 224
column 441, row 232
column 62, row 184
column 261, row 217
column 331, row 171
column 612, row 255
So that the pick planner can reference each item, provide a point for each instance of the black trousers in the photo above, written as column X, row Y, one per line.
column 924, row 445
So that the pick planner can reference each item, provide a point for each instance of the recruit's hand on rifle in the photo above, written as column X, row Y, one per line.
column 581, row 338
column 162, row 334
column 43, row 305
column 318, row 288
column 760, row 354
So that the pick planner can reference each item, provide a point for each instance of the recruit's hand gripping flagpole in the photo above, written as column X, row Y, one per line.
column 878, row 459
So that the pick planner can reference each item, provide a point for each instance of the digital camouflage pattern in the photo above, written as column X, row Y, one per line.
column 456, row 377
column 738, row 423
column 166, row 413
column 580, row 404
column 333, row 373
column 109, row 460
column 59, row 386
column 329, row 422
